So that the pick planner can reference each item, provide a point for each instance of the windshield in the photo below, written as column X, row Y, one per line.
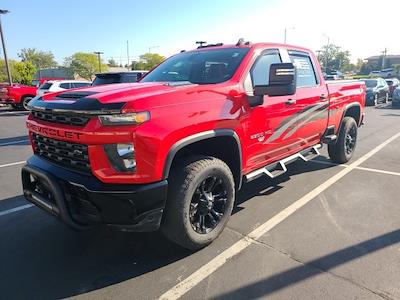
column 371, row 83
column 201, row 67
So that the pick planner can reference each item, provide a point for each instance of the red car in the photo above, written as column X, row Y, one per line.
column 171, row 151
column 18, row 95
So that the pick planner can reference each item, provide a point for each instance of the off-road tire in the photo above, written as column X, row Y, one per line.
column 184, row 180
column 338, row 152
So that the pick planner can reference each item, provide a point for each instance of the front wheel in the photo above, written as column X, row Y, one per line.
column 343, row 149
column 200, row 201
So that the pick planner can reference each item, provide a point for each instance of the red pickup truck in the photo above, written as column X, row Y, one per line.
column 171, row 151
column 18, row 95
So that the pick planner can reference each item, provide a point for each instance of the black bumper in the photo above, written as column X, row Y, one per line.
column 82, row 201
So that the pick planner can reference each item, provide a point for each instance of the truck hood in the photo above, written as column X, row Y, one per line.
column 100, row 99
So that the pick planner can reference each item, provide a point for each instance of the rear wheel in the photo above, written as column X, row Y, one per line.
column 343, row 149
column 25, row 101
column 200, row 201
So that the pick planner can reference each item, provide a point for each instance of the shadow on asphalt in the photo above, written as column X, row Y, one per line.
column 42, row 258
column 17, row 140
column 263, row 288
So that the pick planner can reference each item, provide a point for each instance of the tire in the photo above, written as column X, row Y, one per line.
column 24, row 102
column 187, row 206
column 343, row 150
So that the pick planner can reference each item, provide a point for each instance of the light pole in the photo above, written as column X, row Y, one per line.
column 3, row 12
column 152, row 47
column 98, row 57
column 326, row 52
column 285, row 35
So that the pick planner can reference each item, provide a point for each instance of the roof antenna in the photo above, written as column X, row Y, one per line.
column 240, row 42
column 200, row 43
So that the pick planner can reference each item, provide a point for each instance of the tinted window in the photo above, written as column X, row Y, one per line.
column 371, row 83
column 79, row 84
column 107, row 79
column 65, row 86
column 389, row 82
column 305, row 70
column 260, row 70
column 35, row 83
column 201, row 67
column 129, row 78
column 45, row 86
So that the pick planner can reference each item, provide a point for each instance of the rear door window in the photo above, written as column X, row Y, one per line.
column 305, row 70
column 65, row 86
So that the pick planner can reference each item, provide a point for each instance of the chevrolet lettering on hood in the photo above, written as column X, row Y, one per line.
column 54, row 132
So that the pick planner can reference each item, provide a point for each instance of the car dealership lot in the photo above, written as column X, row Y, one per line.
column 342, row 244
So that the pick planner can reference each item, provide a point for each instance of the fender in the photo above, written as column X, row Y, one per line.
column 347, row 107
column 199, row 137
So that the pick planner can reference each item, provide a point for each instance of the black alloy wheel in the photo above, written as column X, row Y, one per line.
column 208, row 205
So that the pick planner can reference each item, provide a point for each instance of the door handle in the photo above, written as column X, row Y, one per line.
column 290, row 102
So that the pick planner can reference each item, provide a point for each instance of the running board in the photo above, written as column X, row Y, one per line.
column 276, row 169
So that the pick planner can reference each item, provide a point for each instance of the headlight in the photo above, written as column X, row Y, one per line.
column 121, row 156
column 135, row 118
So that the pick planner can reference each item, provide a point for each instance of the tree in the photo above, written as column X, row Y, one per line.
column 86, row 65
column 112, row 63
column 148, row 61
column 26, row 70
column 39, row 59
column 332, row 58
column 21, row 72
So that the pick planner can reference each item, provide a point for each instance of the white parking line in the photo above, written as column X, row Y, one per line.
column 15, row 209
column 14, row 142
column 13, row 164
column 358, row 168
column 206, row 270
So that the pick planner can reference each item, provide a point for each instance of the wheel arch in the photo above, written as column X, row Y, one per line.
column 221, row 143
column 352, row 110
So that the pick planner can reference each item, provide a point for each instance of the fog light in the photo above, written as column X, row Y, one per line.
column 121, row 156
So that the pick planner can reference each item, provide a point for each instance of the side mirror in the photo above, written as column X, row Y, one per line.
column 282, row 81
column 139, row 76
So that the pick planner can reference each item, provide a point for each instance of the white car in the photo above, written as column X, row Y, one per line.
column 52, row 86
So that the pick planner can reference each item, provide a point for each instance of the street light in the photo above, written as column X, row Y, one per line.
column 286, row 30
column 3, row 12
column 98, row 56
column 152, row 47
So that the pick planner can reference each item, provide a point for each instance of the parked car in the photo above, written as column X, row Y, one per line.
column 393, row 84
column 172, row 151
column 18, row 95
column 377, row 91
column 118, row 77
column 396, row 97
column 52, row 86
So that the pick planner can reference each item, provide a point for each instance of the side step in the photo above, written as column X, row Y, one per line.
column 280, row 167
column 329, row 139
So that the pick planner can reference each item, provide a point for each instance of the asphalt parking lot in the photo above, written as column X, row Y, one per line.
column 320, row 231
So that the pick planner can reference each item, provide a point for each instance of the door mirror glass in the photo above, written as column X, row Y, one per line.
column 282, row 81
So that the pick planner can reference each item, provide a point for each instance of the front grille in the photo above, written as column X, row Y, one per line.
column 70, row 155
column 74, row 120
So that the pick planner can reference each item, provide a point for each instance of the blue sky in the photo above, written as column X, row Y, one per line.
column 65, row 27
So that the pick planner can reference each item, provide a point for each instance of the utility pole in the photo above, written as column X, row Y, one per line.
column 3, row 12
column 384, row 52
column 127, row 52
column 285, row 35
column 98, row 57
column 152, row 47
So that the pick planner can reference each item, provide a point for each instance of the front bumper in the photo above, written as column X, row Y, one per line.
column 82, row 201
